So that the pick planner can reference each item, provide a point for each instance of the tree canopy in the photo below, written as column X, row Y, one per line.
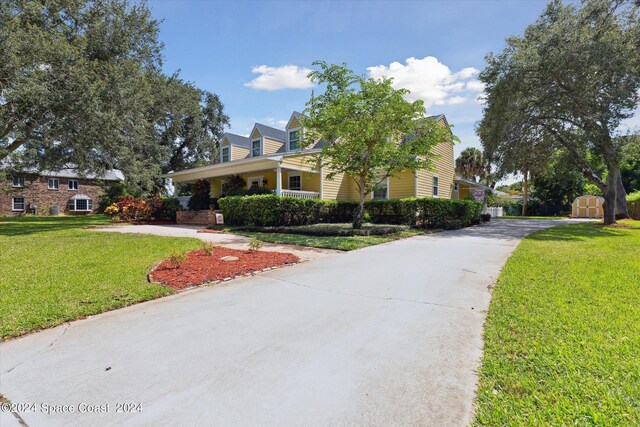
column 472, row 164
column 371, row 131
column 566, row 84
column 81, row 83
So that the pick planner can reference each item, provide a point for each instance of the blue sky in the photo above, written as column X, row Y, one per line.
column 255, row 54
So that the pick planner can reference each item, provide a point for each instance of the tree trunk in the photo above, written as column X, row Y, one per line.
column 525, row 197
column 357, row 221
column 610, row 195
column 621, row 199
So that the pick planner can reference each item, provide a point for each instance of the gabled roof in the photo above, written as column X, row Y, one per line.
column 271, row 133
column 234, row 139
column 295, row 114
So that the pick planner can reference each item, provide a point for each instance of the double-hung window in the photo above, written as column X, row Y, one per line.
column 226, row 154
column 54, row 184
column 295, row 182
column 435, row 186
column 73, row 184
column 294, row 139
column 18, row 181
column 17, row 203
column 256, row 148
column 381, row 191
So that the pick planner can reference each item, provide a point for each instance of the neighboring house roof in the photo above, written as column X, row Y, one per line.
column 271, row 133
column 470, row 182
column 240, row 140
column 71, row 172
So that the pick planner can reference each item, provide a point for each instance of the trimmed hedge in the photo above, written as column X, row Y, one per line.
column 272, row 211
column 330, row 229
column 633, row 204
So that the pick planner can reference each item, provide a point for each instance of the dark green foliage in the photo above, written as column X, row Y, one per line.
column 201, row 199
column 234, row 186
column 330, row 230
column 270, row 210
column 116, row 191
column 167, row 209
column 485, row 217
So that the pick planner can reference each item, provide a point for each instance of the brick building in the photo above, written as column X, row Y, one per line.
column 41, row 192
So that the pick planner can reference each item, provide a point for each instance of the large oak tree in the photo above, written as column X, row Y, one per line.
column 567, row 84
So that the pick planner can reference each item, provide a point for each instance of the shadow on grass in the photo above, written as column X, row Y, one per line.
column 574, row 232
column 26, row 225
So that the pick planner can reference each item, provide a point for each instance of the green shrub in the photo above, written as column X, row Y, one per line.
column 201, row 198
column 485, row 217
column 633, row 204
column 271, row 211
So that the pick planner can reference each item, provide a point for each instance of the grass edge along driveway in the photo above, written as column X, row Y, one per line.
column 561, row 337
column 53, row 271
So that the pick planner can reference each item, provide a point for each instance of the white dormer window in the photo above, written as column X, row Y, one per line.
column 225, row 154
column 294, row 139
column 256, row 148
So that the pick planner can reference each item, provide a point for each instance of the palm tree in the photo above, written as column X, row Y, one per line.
column 471, row 164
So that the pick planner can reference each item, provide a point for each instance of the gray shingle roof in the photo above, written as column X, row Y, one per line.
column 69, row 172
column 271, row 133
column 240, row 140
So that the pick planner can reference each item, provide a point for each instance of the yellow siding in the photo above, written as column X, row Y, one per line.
column 237, row 152
column 270, row 146
column 402, row 185
column 216, row 187
column 255, row 134
column 310, row 181
column 295, row 123
column 304, row 161
column 444, row 169
column 340, row 187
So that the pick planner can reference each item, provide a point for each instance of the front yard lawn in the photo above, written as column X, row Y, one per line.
column 53, row 271
column 343, row 243
column 562, row 338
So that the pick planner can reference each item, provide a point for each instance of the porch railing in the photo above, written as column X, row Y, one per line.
column 301, row 194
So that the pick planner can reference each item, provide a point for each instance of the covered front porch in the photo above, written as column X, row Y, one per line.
column 292, row 179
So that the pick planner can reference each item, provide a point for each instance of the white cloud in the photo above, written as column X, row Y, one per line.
column 270, row 121
column 276, row 78
column 430, row 80
column 475, row 86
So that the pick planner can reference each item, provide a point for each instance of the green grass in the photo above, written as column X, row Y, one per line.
column 343, row 243
column 562, row 338
column 53, row 271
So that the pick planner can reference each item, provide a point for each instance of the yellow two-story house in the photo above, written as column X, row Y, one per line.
column 272, row 158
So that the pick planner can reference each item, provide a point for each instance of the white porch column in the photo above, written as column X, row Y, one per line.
column 278, row 180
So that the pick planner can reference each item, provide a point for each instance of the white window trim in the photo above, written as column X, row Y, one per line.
column 19, row 178
column 77, row 184
column 261, row 146
column 226, row 147
column 75, row 204
column 49, row 183
column 253, row 178
column 386, row 196
column 13, row 203
column 435, row 196
column 299, row 129
column 291, row 174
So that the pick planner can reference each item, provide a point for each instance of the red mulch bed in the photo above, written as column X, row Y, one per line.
column 210, row 230
column 201, row 268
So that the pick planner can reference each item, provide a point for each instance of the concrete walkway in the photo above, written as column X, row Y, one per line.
column 227, row 240
column 386, row 335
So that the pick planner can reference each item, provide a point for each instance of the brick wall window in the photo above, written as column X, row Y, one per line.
column 54, row 184
column 73, row 184
column 17, row 203
column 18, row 181
column 81, row 205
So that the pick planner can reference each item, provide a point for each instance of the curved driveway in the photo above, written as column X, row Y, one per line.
column 386, row 335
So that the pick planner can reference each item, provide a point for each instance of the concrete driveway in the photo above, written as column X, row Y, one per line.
column 386, row 335
column 227, row 240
